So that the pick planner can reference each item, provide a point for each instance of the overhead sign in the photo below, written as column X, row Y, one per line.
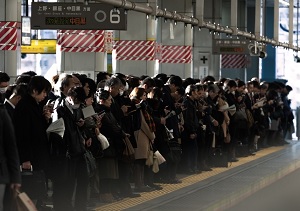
column 230, row 46
column 108, row 41
column 40, row 46
column 26, row 31
column 93, row 16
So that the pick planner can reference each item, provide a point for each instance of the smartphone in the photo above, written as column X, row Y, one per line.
column 101, row 114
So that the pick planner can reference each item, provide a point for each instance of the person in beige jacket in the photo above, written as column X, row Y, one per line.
column 144, row 138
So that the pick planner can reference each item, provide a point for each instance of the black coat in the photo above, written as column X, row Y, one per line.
column 112, row 131
column 30, row 127
column 9, row 158
column 191, row 122
column 73, row 140
column 10, row 109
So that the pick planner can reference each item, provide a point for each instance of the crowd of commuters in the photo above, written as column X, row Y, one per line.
column 183, row 120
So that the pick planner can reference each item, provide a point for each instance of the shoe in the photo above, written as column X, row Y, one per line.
column 234, row 160
column 175, row 181
column 156, row 187
column 106, row 198
column 197, row 171
column 206, row 168
column 132, row 195
column 190, row 171
column 144, row 189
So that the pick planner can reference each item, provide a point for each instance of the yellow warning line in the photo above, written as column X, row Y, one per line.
column 186, row 181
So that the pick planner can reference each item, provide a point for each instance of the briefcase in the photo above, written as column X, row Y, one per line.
column 218, row 158
column 34, row 183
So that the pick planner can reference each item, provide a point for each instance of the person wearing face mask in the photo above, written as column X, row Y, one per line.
column 4, row 82
column 71, row 155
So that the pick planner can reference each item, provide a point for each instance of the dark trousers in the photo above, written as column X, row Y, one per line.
column 192, row 154
column 70, row 173
column 125, row 171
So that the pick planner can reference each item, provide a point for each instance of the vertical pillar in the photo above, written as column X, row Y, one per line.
column 152, row 65
column 291, row 24
column 188, row 41
column 100, row 62
column 10, row 61
column 233, row 22
column 276, row 20
column 268, row 72
column 257, row 19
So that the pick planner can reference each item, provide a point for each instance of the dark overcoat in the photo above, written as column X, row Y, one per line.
column 9, row 158
column 30, row 127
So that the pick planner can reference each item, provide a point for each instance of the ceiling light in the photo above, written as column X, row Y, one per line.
column 284, row 2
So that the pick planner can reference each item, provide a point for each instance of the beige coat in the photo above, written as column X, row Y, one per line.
column 143, row 138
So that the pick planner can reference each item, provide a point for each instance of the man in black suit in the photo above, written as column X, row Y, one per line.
column 14, row 94
column 10, row 178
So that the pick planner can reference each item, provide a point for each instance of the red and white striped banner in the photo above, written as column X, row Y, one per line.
column 234, row 61
column 81, row 40
column 176, row 54
column 135, row 50
column 9, row 35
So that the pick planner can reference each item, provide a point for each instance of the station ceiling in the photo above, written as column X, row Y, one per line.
column 270, row 3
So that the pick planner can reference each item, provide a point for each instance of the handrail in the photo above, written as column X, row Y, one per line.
column 146, row 8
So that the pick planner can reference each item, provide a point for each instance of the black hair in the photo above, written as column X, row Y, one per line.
column 158, row 83
column 102, row 94
column 180, row 91
column 163, row 77
column 39, row 83
column 175, row 80
column 4, row 77
column 133, row 82
column 23, row 79
column 231, row 83
column 187, row 82
column 101, row 76
column 288, row 88
column 92, row 85
column 30, row 73
column 240, row 83
column 149, row 82
column 190, row 88
column 142, row 77
column 208, row 79
column 77, row 93
column 16, row 89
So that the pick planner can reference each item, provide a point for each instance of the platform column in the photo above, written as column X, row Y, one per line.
column 188, row 41
column 152, row 65
column 10, row 61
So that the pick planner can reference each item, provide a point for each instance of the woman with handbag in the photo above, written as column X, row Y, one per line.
column 144, row 137
column 108, row 164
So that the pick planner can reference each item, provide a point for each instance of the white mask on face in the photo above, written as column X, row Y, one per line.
column 2, row 90
column 121, row 92
column 71, row 103
column 75, row 106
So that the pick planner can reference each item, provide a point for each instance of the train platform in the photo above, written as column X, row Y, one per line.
column 218, row 189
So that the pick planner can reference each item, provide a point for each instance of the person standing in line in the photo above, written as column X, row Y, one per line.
column 31, row 121
column 10, row 176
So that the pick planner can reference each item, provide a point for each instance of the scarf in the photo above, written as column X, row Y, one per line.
column 149, row 120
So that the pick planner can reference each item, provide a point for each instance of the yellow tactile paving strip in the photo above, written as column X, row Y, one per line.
column 186, row 181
